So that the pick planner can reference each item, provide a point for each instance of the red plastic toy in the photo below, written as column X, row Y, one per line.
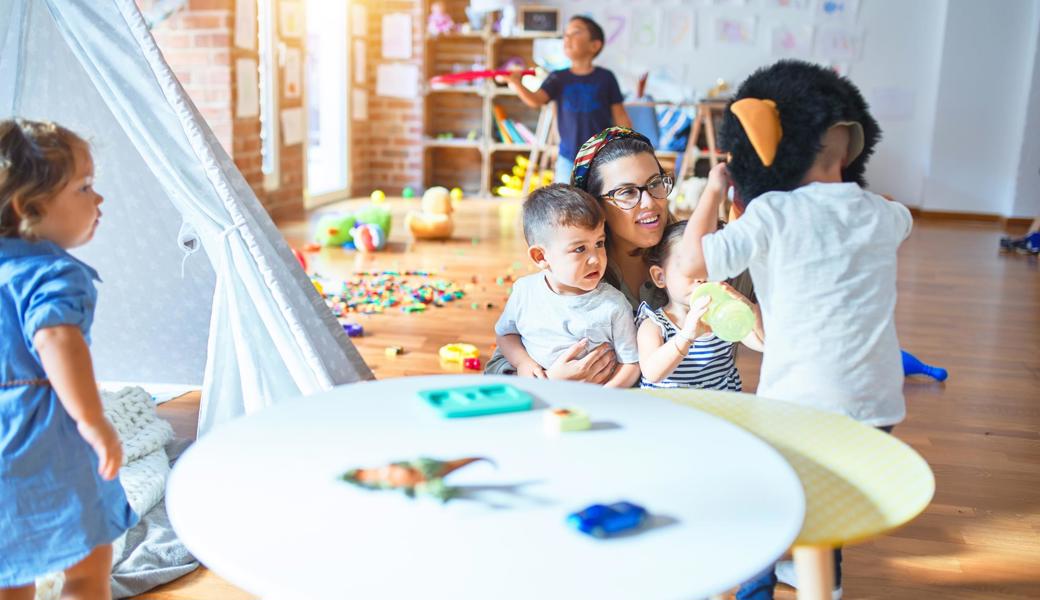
column 471, row 363
column 464, row 76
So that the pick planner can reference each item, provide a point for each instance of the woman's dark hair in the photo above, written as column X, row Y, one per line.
column 612, row 151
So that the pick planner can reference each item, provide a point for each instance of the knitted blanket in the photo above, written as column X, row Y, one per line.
column 145, row 463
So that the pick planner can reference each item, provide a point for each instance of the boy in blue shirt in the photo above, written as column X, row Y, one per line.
column 588, row 99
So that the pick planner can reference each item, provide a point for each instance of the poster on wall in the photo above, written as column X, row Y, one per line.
column 290, row 19
column 792, row 40
column 293, row 73
column 360, row 62
column 359, row 105
column 292, row 126
column 247, row 88
column 837, row 9
column 839, row 44
column 735, row 31
column 616, row 28
column 646, row 29
column 680, row 30
column 796, row 4
column 397, row 36
column 245, row 24
column 397, row 80
column 358, row 19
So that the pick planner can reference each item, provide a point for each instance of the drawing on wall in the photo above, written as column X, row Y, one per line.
column 792, row 40
column 293, row 73
column 291, row 17
column 646, row 29
column 615, row 28
column 845, row 9
column 799, row 4
column 839, row 44
column 729, row 30
column 680, row 30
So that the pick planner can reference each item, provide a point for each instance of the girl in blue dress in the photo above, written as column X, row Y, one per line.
column 61, row 503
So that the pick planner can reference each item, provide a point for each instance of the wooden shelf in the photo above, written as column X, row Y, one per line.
column 469, row 108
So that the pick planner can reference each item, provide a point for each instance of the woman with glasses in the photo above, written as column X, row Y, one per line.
column 618, row 166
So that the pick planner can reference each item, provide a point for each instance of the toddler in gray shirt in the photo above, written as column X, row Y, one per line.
column 567, row 300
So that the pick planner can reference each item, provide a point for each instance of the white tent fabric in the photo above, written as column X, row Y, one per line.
column 248, row 325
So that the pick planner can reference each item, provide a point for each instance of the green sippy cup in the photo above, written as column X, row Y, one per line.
column 729, row 318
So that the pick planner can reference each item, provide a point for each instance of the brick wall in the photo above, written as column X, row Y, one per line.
column 197, row 42
column 387, row 149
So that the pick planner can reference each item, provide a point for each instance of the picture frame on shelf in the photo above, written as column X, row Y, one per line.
column 539, row 19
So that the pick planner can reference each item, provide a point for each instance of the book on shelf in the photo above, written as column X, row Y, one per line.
column 525, row 133
column 500, row 122
column 514, row 133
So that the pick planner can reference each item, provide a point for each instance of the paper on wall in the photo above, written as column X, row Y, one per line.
column 245, row 24
column 291, row 16
column 358, row 19
column 360, row 61
column 839, row 44
column 792, row 40
column 247, row 88
column 359, row 105
column 293, row 73
column 397, row 35
column 292, row 126
column 397, row 80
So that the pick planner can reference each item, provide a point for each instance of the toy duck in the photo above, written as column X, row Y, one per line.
column 434, row 222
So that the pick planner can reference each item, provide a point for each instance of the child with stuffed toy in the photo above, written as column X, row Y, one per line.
column 820, row 248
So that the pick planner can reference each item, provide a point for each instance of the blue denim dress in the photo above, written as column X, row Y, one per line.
column 54, row 507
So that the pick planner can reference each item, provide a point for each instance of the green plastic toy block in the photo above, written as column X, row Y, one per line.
column 477, row 400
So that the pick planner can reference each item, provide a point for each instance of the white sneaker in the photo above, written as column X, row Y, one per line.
column 785, row 574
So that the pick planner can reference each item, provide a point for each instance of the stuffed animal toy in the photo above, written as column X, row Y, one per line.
column 773, row 127
column 434, row 222
column 334, row 230
column 339, row 229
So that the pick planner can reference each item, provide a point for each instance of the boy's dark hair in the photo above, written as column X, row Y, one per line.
column 37, row 159
column 559, row 205
column 612, row 151
column 595, row 31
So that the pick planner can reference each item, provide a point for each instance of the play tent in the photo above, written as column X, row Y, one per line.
column 240, row 318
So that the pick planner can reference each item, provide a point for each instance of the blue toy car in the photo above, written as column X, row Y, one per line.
column 600, row 520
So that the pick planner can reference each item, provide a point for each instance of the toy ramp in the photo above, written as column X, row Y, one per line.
column 246, row 323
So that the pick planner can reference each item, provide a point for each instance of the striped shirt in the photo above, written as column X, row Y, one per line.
column 709, row 364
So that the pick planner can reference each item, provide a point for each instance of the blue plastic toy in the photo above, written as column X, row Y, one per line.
column 476, row 400
column 913, row 366
column 354, row 329
column 601, row 521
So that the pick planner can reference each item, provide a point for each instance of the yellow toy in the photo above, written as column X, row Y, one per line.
column 456, row 193
column 513, row 182
column 454, row 354
column 434, row 222
column 378, row 196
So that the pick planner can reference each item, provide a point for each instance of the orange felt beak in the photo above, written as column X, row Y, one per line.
column 761, row 121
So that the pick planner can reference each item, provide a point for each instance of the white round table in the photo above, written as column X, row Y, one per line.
column 259, row 500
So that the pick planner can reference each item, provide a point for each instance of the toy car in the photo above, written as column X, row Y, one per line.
column 600, row 520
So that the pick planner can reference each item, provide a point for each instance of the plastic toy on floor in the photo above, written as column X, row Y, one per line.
column 434, row 221
column 339, row 229
column 913, row 366
column 420, row 476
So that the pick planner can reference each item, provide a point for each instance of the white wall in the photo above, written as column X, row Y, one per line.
column 984, row 81
column 1026, row 201
column 897, row 71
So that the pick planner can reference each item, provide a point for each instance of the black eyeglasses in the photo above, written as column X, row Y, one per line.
column 627, row 196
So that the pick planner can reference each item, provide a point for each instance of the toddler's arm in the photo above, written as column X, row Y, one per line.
column 625, row 376
column 657, row 358
column 702, row 222
column 512, row 348
column 66, row 360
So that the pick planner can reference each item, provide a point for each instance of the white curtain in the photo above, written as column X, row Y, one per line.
column 270, row 335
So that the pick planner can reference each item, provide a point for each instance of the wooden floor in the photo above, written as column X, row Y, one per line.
column 961, row 305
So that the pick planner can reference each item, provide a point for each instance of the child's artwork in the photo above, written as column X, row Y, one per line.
column 845, row 9
column 792, row 40
column 360, row 61
column 680, row 32
column 247, row 88
column 615, row 25
column 646, row 28
column 397, row 36
column 798, row 4
column 730, row 2
column 730, row 30
column 245, row 24
column 292, row 126
column 839, row 44
column 291, row 16
column 358, row 19
column 293, row 73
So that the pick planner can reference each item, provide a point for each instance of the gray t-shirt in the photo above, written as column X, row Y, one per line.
column 549, row 323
